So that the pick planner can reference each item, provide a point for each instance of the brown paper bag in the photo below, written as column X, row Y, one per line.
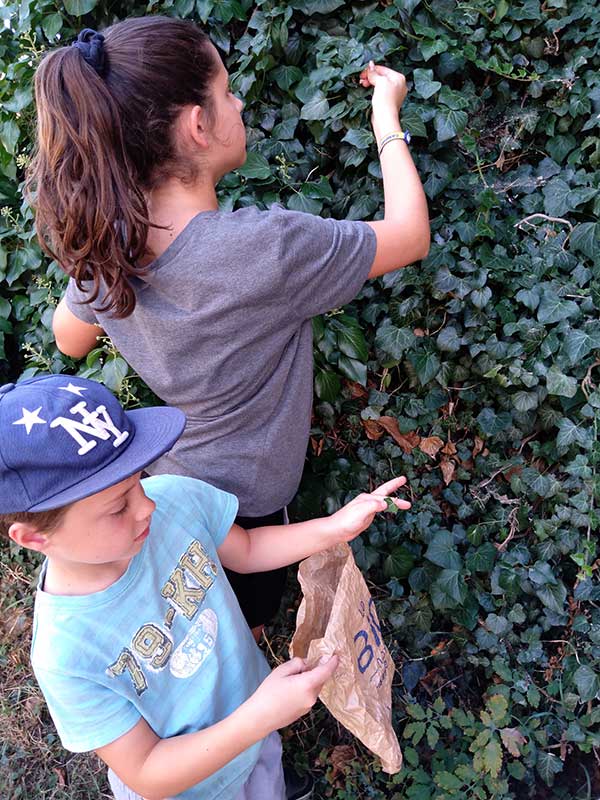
column 337, row 615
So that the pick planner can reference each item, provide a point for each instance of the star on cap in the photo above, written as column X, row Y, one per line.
column 29, row 419
column 74, row 389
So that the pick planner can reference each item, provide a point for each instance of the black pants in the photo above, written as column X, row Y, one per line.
column 259, row 593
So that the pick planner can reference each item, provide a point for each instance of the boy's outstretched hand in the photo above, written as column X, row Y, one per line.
column 358, row 514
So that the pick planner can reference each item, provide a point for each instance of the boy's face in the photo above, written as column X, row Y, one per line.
column 107, row 527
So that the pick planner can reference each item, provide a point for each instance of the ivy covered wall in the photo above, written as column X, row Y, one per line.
column 475, row 373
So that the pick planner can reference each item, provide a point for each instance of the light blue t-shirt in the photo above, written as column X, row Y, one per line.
column 166, row 642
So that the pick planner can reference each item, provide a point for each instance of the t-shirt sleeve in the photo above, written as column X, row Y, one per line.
column 325, row 261
column 81, row 310
column 196, row 502
column 86, row 715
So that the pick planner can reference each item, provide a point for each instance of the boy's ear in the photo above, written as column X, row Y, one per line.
column 26, row 535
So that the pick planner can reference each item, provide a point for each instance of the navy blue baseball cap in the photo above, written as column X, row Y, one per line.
column 63, row 438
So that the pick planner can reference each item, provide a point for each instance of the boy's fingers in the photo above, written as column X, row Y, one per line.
column 294, row 666
column 390, row 486
column 404, row 505
column 323, row 671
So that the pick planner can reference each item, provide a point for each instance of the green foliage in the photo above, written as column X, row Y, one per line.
column 475, row 373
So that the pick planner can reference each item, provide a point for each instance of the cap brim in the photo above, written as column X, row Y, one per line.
column 156, row 431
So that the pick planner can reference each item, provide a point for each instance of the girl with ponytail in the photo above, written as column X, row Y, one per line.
column 136, row 126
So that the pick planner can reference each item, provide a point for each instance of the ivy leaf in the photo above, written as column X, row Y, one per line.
column 311, row 7
column 400, row 561
column 441, row 551
column 585, row 238
column 78, row 8
column 316, row 108
column 255, row 167
column 451, row 583
column 448, row 123
column 358, row 137
column 482, row 559
column 556, row 197
column 393, row 340
column 569, row 433
column 492, row 423
column 425, row 86
column 353, row 369
column 350, row 338
column 52, row 25
column 559, row 384
column 529, row 297
column 300, row 202
column 587, row 682
column 576, row 345
column 286, row 76
column 553, row 597
column 20, row 99
column 426, row 365
column 548, row 765
column 9, row 135
column 448, row 340
column 327, row 385
column 552, row 308
column 525, row 401
column 114, row 372
column 481, row 297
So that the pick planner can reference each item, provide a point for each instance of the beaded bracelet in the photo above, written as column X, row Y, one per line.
column 403, row 135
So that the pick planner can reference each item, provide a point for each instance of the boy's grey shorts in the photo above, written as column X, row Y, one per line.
column 265, row 781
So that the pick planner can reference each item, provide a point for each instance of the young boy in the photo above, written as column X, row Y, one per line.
column 139, row 645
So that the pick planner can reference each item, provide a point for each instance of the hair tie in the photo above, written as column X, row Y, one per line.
column 90, row 44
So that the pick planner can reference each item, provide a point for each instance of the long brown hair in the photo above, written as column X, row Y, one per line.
column 104, row 138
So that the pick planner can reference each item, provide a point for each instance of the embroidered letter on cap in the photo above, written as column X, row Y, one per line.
column 91, row 424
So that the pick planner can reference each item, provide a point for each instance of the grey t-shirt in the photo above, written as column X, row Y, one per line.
column 222, row 329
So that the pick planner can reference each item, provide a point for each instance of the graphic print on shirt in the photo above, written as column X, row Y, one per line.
column 196, row 647
column 152, row 646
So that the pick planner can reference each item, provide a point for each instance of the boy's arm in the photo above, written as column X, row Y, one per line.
column 158, row 768
column 275, row 546
column 73, row 337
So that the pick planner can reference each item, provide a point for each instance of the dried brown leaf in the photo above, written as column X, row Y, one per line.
column 478, row 446
column 407, row 441
column 340, row 757
column 448, row 469
column 449, row 449
column 373, row 429
column 431, row 445
column 512, row 738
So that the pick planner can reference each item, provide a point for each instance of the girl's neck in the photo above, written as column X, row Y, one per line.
column 172, row 206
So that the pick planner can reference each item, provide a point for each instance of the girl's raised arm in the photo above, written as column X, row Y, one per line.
column 403, row 235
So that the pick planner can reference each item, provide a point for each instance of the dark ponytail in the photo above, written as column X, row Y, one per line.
column 105, row 137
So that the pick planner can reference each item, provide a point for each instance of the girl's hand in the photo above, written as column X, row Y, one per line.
column 290, row 691
column 358, row 514
column 389, row 93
